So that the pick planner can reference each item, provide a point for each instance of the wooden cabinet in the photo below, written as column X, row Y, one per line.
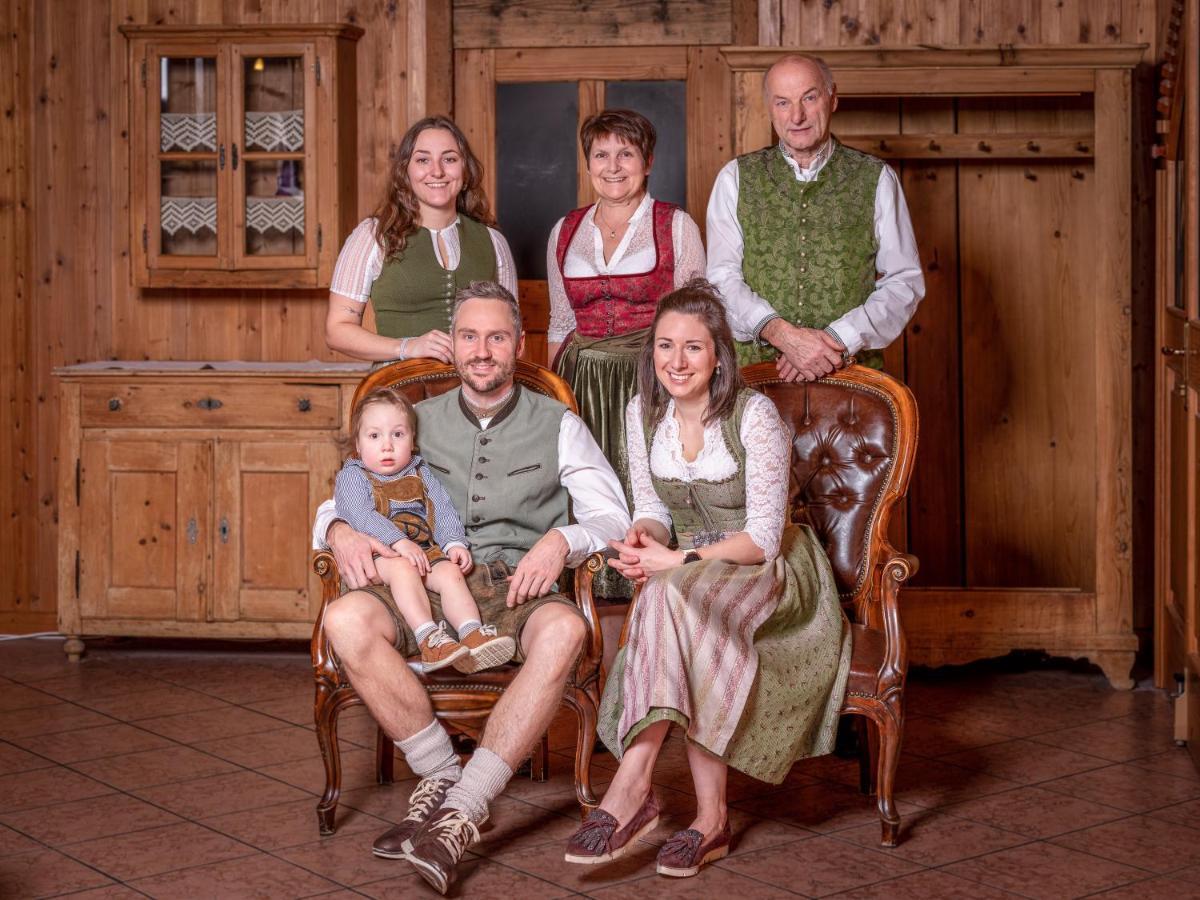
column 187, row 495
column 243, row 154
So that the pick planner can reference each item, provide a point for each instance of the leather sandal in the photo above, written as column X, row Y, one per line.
column 686, row 851
column 600, row 838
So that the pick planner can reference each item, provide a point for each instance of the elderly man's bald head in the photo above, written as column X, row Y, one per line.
column 802, row 61
column 800, row 96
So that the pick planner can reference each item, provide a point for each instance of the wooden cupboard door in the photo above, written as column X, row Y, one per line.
column 266, row 495
column 144, row 529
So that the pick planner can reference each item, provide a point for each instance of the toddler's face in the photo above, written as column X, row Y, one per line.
column 385, row 439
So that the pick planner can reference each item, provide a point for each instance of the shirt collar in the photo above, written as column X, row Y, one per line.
column 437, row 231
column 412, row 466
column 817, row 164
column 646, row 203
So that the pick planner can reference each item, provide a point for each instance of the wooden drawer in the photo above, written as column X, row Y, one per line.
column 210, row 404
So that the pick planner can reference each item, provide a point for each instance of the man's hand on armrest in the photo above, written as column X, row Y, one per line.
column 355, row 554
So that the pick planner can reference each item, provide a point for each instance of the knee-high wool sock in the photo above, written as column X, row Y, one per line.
column 483, row 780
column 430, row 754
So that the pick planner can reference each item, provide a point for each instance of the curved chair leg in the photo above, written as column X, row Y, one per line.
column 325, row 714
column 890, row 731
column 539, row 760
column 385, row 757
column 586, row 707
column 868, row 753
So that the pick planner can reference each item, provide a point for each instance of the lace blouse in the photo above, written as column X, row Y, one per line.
column 634, row 255
column 768, row 443
column 361, row 259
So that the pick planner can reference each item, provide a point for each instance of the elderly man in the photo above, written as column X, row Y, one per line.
column 810, row 241
column 512, row 461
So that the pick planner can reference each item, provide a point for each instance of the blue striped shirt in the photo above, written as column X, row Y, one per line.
column 354, row 497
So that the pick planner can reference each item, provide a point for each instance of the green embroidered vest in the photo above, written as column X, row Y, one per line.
column 413, row 293
column 703, row 512
column 503, row 480
column 809, row 246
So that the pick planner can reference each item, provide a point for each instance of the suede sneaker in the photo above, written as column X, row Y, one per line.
column 439, row 650
column 425, row 799
column 487, row 650
column 440, row 844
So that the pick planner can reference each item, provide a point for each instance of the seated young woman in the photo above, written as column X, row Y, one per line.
column 738, row 637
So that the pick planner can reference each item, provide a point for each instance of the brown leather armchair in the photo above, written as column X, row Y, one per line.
column 852, row 456
column 463, row 701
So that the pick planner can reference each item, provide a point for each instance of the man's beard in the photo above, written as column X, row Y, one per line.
column 499, row 378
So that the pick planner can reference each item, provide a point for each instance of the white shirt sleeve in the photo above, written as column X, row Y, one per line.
column 358, row 264
column 597, row 499
column 768, row 443
column 646, row 502
column 506, row 269
column 688, row 247
column 747, row 311
column 900, row 284
column 562, row 317
column 326, row 516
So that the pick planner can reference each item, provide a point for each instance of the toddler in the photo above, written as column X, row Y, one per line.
column 386, row 490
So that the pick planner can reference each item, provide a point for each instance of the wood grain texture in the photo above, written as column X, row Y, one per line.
column 555, row 23
column 710, row 126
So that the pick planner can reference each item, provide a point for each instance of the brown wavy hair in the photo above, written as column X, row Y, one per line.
column 396, row 217
column 701, row 299
column 630, row 126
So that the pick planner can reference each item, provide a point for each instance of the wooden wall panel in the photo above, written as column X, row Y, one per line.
column 558, row 23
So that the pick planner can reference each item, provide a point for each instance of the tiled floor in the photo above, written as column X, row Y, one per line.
column 195, row 774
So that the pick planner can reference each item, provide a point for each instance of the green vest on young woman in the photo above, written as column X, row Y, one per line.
column 809, row 245
column 413, row 292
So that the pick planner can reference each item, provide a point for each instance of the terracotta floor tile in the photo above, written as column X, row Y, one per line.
column 157, row 850
column 13, row 842
column 476, row 878
column 296, row 710
column 18, row 696
column 166, row 700
column 14, row 759
column 345, row 858
column 290, row 824
column 933, row 737
column 91, row 682
column 45, row 873
column 287, row 744
column 91, row 743
column 930, row 783
column 1118, row 740
column 819, row 866
column 1034, row 812
column 1176, row 761
column 934, row 839
column 1161, row 888
column 248, row 876
column 45, row 787
column 1026, row 762
column 81, row 820
column 1138, row 841
column 1042, row 870
column 209, row 724
column 385, row 801
column 1187, row 813
column 712, row 881
column 48, row 718
column 1127, row 787
column 216, row 795
column 926, row 886
column 514, row 826
column 358, row 770
column 154, row 767
column 249, row 685
column 546, row 862
column 113, row 892
column 750, row 833
column 822, row 807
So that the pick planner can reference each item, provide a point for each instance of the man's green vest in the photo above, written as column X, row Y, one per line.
column 809, row 246
column 503, row 480
column 413, row 293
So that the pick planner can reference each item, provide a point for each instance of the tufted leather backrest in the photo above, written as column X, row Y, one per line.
column 855, row 435
column 423, row 378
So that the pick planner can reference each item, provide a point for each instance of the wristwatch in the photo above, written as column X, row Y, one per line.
column 691, row 556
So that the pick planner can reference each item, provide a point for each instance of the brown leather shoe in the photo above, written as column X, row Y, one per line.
column 439, row 650
column 488, row 650
column 686, row 851
column 600, row 838
column 440, row 844
column 426, row 797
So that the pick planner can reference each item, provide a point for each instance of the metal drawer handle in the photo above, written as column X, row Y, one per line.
column 114, row 404
column 209, row 403
column 304, row 404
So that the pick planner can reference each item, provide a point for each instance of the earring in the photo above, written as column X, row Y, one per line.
column 718, row 371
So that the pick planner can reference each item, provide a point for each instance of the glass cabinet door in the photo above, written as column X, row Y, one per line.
column 186, row 158
column 274, row 210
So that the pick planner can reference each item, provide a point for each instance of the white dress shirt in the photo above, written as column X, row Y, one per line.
column 899, row 284
column 597, row 498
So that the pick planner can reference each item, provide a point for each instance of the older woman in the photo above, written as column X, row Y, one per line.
column 608, row 264
column 430, row 236
column 738, row 637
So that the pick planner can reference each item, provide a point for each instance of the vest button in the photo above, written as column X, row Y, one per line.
column 475, row 498
column 803, row 269
column 803, row 237
column 474, row 518
column 479, row 475
column 484, row 459
column 483, row 441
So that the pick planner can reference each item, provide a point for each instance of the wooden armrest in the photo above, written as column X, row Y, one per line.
column 593, row 651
